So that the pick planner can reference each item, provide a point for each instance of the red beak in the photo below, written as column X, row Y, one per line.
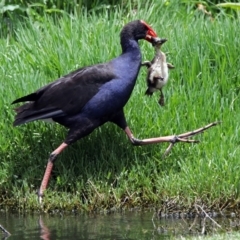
column 150, row 33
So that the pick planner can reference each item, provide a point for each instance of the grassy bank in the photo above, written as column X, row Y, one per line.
column 103, row 170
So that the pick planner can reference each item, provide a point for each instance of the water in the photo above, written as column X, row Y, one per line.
column 127, row 225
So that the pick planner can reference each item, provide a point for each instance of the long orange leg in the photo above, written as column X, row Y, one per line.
column 48, row 170
column 172, row 139
column 45, row 232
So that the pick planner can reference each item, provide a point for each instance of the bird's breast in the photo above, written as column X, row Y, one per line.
column 158, row 74
column 113, row 95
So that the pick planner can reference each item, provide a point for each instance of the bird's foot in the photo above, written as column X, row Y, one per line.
column 172, row 139
column 184, row 137
column 40, row 196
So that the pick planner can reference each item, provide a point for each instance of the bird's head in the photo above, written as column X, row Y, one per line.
column 158, row 42
column 137, row 30
column 150, row 32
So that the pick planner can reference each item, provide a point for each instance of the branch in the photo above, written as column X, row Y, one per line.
column 206, row 215
column 5, row 231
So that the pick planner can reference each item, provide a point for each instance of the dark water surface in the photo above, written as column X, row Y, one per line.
column 127, row 225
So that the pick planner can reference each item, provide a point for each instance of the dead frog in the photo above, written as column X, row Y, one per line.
column 157, row 75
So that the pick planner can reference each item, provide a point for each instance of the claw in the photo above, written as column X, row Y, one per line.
column 40, row 197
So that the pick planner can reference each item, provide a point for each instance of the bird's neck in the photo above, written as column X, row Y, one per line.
column 158, row 51
column 160, row 55
column 131, row 52
column 129, row 45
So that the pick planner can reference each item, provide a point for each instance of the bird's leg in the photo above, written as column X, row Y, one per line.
column 148, row 64
column 45, row 232
column 161, row 99
column 48, row 170
column 172, row 139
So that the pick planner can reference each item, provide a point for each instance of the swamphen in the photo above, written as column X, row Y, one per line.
column 90, row 96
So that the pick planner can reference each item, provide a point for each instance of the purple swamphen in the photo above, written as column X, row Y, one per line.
column 90, row 96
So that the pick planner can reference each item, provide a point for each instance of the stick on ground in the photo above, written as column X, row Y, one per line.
column 5, row 231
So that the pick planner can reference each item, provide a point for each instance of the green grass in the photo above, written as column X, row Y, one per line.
column 104, row 170
column 230, row 236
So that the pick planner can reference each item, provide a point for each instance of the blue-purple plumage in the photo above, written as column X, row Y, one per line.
column 95, row 93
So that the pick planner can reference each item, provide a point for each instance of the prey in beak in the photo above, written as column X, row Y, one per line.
column 157, row 76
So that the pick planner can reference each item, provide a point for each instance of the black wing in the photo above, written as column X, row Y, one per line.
column 65, row 96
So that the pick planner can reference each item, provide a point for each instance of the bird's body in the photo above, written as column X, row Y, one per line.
column 93, row 94
column 74, row 98
column 157, row 76
column 158, row 72
column 90, row 96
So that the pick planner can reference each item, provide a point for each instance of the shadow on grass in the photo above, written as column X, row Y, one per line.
column 102, row 156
